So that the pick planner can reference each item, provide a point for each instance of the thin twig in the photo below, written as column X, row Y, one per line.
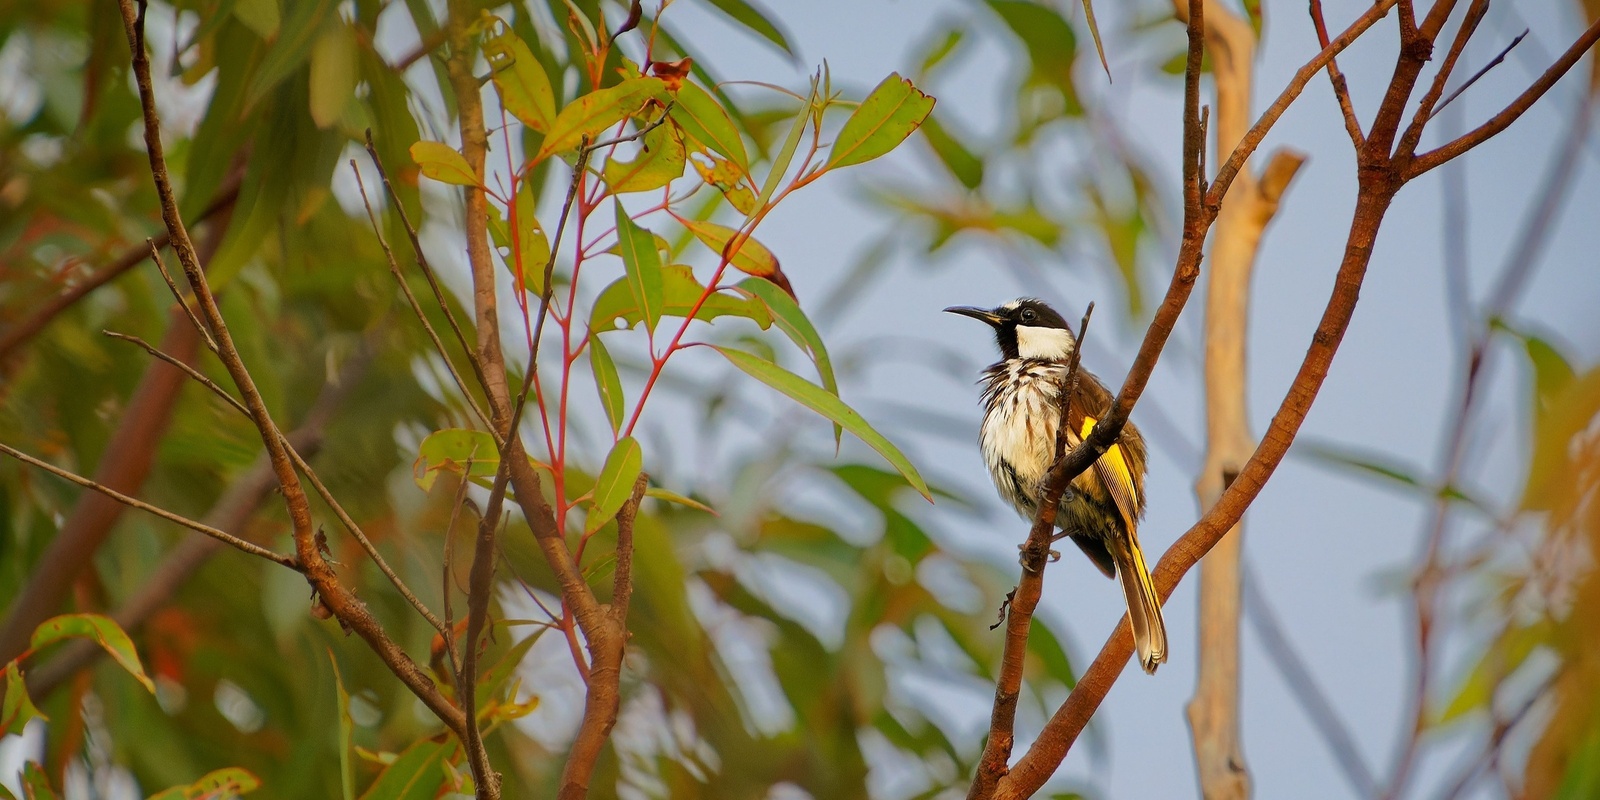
column 193, row 373
column 350, row 611
column 306, row 470
column 1494, row 62
column 416, row 308
column 132, row 502
column 177, row 294
column 1413, row 134
column 1341, row 88
column 422, row 264
column 1502, row 120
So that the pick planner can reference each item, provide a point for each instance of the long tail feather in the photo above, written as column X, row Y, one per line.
column 1144, row 605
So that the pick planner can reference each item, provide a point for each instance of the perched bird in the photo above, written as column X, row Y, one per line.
column 1101, row 509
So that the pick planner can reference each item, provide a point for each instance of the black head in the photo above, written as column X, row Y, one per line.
column 1025, row 328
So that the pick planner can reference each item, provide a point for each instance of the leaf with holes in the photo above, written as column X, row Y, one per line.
column 828, row 405
column 882, row 121
column 521, row 81
column 597, row 111
column 643, row 265
column 680, row 292
column 615, row 484
column 442, row 163
column 699, row 114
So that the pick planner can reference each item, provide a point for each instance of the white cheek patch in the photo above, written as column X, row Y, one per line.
column 1053, row 344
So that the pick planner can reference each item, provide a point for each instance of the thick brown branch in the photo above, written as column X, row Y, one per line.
column 333, row 595
column 1252, row 139
column 1041, row 760
column 1502, row 120
column 1413, row 134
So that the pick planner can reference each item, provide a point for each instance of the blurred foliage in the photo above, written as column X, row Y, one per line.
column 768, row 647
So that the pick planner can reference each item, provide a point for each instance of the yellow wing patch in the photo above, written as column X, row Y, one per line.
column 1118, row 479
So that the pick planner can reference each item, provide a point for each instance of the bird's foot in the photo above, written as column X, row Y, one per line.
column 1022, row 555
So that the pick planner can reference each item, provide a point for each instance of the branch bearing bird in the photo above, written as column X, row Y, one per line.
column 1022, row 411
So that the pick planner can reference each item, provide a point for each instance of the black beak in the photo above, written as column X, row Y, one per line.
column 977, row 313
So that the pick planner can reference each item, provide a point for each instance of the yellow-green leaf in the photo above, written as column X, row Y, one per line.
column 333, row 74
column 229, row 782
column 261, row 16
column 347, row 779
column 452, row 450
column 680, row 291
column 615, row 484
column 705, row 120
column 829, row 406
column 521, row 80
column 794, row 324
column 752, row 257
column 673, row 497
column 531, row 250
column 643, row 264
column 416, row 774
column 441, row 162
column 881, row 122
column 597, row 111
column 659, row 162
column 18, row 707
column 100, row 629
column 606, row 381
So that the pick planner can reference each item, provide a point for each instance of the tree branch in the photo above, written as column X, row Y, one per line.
column 343, row 604
column 1503, row 120
column 1341, row 88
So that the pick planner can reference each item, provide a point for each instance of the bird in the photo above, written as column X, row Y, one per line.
column 1101, row 510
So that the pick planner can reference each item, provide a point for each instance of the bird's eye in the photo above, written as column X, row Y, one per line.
column 1028, row 315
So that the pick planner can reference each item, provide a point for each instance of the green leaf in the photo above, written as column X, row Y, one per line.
column 703, row 118
column 889, row 114
column 940, row 51
column 606, row 381
column 521, row 81
column 493, row 679
column 451, row 450
column 680, row 291
column 531, row 250
column 416, row 774
column 752, row 257
column 597, row 111
column 967, row 167
column 830, row 406
column 347, row 778
column 1252, row 8
column 1094, row 30
column 643, row 264
column 615, row 484
column 222, row 784
column 794, row 324
column 102, row 630
column 36, row 784
column 673, row 497
column 291, row 47
column 660, row 161
column 260, row 16
column 1052, row 46
column 791, row 142
column 18, row 707
column 441, row 162
column 1502, row 658
column 333, row 74
column 752, row 18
